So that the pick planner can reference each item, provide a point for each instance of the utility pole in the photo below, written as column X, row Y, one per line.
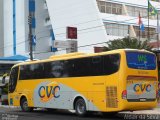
column 140, row 22
column 30, row 36
column 158, row 32
column 32, row 25
column 148, row 35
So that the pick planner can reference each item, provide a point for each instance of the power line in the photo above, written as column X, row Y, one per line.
column 77, row 47
column 80, row 46
column 78, row 24
column 65, row 33
column 58, row 34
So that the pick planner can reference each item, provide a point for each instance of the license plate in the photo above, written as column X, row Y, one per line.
column 142, row 99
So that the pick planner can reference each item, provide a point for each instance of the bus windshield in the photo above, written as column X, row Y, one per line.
column 141, row 60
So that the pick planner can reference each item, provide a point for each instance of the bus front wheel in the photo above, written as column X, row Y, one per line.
column 80, row 107
column 24, row 105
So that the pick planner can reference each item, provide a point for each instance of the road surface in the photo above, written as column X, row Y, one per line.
column 17, row 114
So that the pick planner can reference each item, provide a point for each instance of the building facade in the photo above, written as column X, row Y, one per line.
column 120, row 18
column 1, row 29
column 97, row 21
column 16, row 29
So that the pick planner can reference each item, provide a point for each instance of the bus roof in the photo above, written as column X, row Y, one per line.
column 78, row 55
column 67, row 55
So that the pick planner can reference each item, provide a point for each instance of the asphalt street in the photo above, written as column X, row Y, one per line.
column 7, row 113
column 17, row 114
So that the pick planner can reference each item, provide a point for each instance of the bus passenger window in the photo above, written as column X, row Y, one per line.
column 55, row 69
column 96, row 66
column 111, row 64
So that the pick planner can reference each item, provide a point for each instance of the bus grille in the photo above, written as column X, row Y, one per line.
column 111, row 94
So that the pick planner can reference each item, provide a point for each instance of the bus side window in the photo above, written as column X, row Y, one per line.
column 55, row 69
column 96, row 66
column 13, row 79
column 111, row 63
column 80, row 67
column 32, row 71
column 36, row 71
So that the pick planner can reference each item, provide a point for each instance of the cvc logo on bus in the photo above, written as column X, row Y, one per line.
column 48, row 92
column 141, row 88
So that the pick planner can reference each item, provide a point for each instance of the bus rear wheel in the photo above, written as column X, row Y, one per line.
column 24, row 105
column 80, row 107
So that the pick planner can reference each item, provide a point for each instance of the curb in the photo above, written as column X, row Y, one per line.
column 6, row 106
column 155, row 111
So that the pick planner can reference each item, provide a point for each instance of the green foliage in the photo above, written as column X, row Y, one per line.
column 127, row 42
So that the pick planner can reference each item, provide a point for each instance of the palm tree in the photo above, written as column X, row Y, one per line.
column 127, row 42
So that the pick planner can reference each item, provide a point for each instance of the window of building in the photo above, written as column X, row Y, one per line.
column 134, row 11
column 125, row 30
column 116, row 29
column 152, row 33
column 144, row 34
column 107, row 7
column 144, row 13
column 114, row 8
column 103, row 9
column 159, row 14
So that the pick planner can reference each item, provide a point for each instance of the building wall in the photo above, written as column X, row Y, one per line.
column 20, row 26
column 1, row 29
column 121, row 17
column 8, row 27
column 93, row 26
column 42, row 31
column 22, row 45
column 84, row 15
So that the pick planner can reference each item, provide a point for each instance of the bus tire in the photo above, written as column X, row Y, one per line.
column 80, row 107
column 24, row 105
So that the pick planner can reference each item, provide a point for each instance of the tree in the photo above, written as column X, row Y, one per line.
column 127, row 42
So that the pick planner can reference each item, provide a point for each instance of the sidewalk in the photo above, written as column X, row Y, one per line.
column 155, row 111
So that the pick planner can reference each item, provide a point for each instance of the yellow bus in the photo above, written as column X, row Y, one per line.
column 112, row 81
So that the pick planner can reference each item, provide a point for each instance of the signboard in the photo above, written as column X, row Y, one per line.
column 71, row 33
column 60, row 44
column 98, row 49
column 65, row 44
column 73, row 46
